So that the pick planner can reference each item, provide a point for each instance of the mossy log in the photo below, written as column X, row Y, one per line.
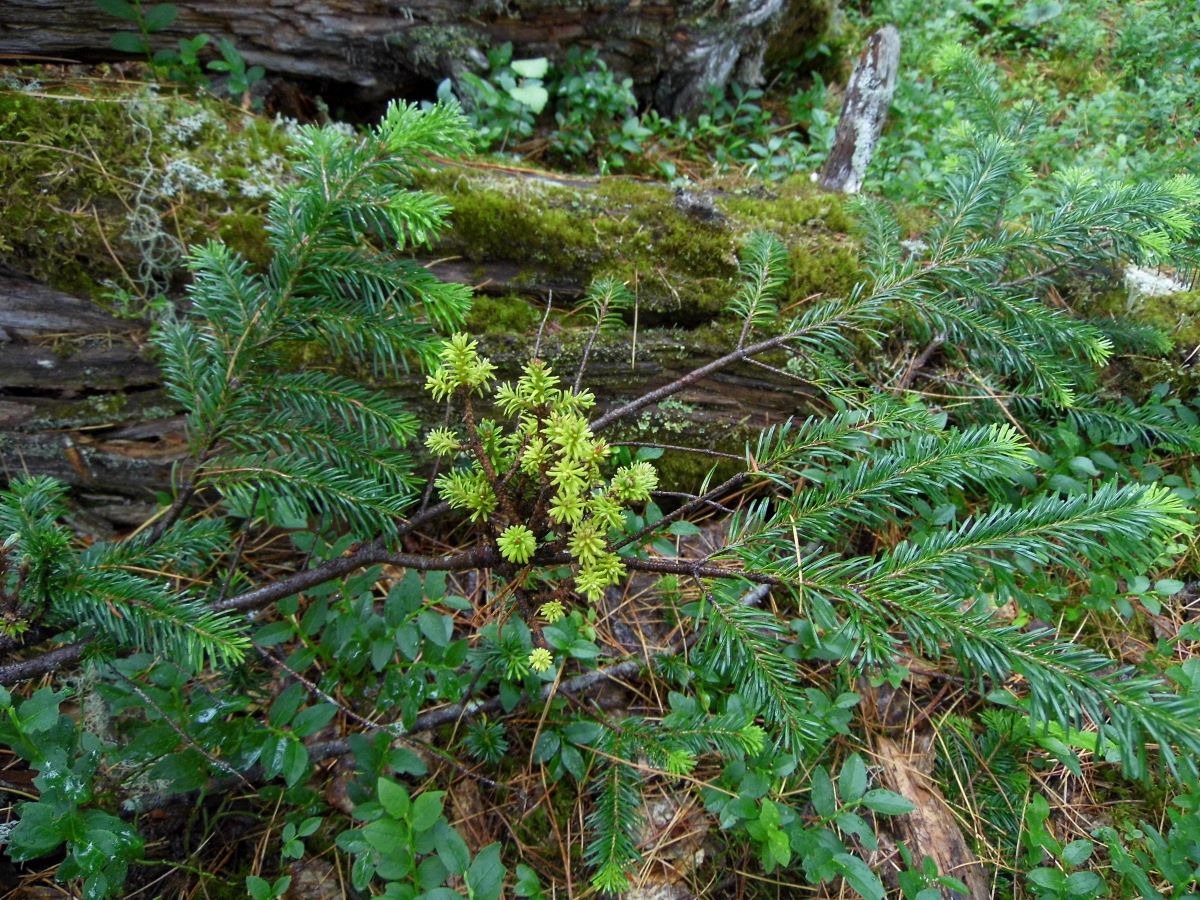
column 80, row 397
column 673, row 51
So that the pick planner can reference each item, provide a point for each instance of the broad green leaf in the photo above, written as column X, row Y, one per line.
column 285, row 706
column 295, row 762
column 531, row 95
column 859, row 876
column 128, row 42
column 427, row 809
column 852, row 779
column 1083, row 884
column 387, row 835
column 362, row 872
column 485, row 877
column 393, row 798
column 887, row 802
column 452, row 849
column 436, row 627
column 1051, row 879
column 41, row 829
column 40, row 712
column 119, row 8
column 531, row 68
column 1168, row 587
column 1076, row 853
column 822, row 796
column 158, row 17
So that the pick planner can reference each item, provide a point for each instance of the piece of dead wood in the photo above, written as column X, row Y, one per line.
column 930, row 830
column 864, row 112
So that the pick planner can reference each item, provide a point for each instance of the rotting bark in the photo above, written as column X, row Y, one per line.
column 930, row 829
column 864, row 112
column 673, row 51
column 81, row 400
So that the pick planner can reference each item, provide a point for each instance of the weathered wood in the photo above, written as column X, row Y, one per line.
column 931, row 829
column 864, row 112
column 80, row 398
column 673, row 51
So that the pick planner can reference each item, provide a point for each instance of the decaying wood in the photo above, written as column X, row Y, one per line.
column 384, row 48
column 931, row 829
column 80, row 397
column 864, row 112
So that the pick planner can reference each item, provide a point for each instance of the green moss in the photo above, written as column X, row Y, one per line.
column 503, row 315
column 688, row 472
column 438, row 47
column 683, row 265
column 108, row 184
column 1176, row 315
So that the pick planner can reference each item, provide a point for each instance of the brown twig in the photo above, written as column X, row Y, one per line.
column 690, row 378
column 919, row 361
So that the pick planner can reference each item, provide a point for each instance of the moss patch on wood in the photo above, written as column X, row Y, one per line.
column 107, row 185
column 679, row 256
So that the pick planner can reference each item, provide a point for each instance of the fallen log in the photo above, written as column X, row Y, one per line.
column 674, row 52
column 80, row 397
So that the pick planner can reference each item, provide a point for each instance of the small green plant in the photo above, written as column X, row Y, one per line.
column 182, row 64
column 99, row 846
column 595, row 113
column 538, row 485
column 233, row 65
column 407, row 844
column 504, row 105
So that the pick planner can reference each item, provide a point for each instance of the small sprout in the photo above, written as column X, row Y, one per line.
column 540, row 660
column 591, row 583
column 517, row 544
column 753, row 738
column 440, row 384
column 443, row 442
column 537, row 384
column 606, row 512
column 571, row 433
column 567, row 508
column 567, row 475
column 680, row 762
column 586, row 544
column 536, row 455
column 553, row 611
column 633, row 483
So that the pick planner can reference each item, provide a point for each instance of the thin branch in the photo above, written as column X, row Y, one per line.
column 587, row 348
column 681, row 495
column 690, row 378
column 919, row 361
column 42, row 665
column 690, row 567
column 186, row 491
column 720, row 490
column 537, row 344
column 704, row 451
column 372, row 554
